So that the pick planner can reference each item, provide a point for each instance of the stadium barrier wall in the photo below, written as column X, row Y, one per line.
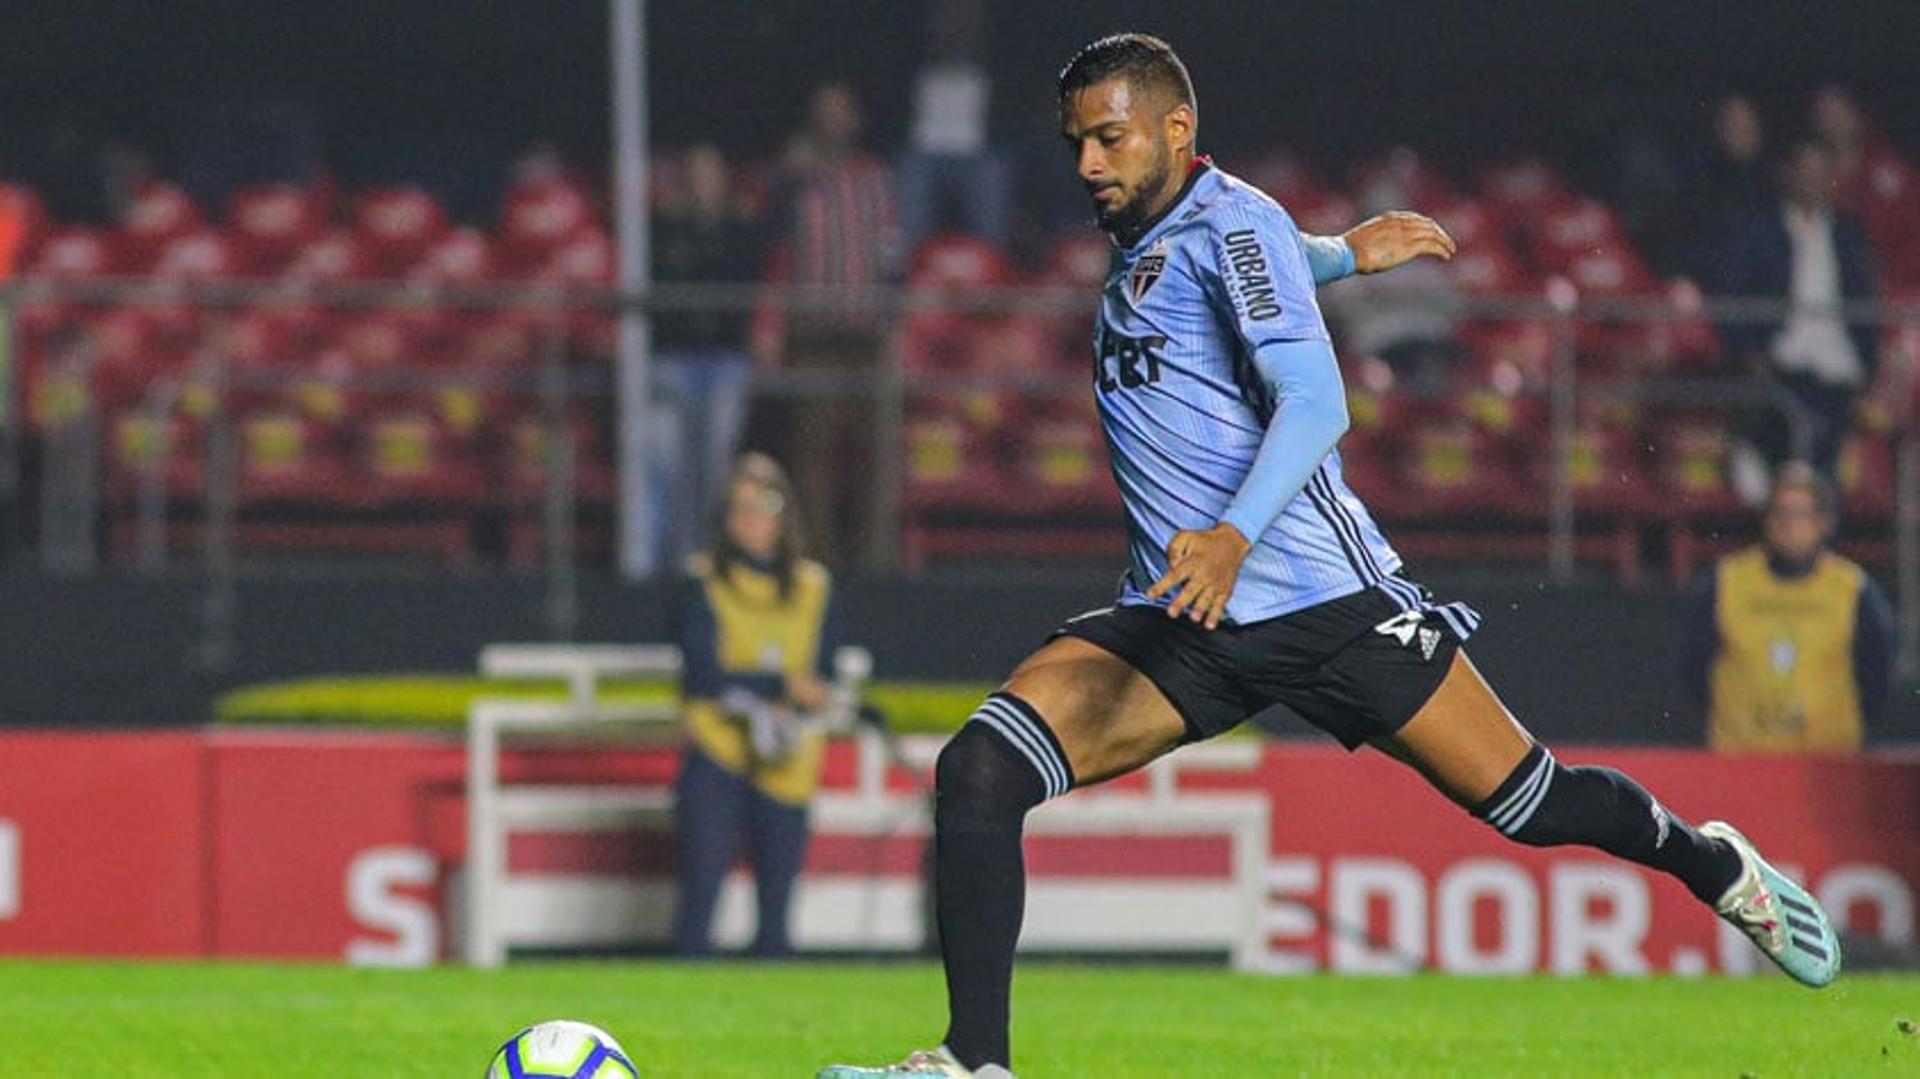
column 1589, row 663
column 347, row 846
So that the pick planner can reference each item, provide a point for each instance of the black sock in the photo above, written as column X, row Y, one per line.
column 1000, row 765
column 1545, row 805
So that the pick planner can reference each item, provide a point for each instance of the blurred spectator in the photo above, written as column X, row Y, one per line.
column 1734, row 172
column 701, row 361
column 1788, row 646
column 755, row 625
column 1729, row 182
column 1800, row 248
column 1871, row 180
column 949, row 156
column 841, row 232
column 1406, row 318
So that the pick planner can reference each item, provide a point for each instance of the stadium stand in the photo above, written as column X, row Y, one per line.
column 419, row 427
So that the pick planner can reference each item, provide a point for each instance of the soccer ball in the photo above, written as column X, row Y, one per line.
column 562, row 1049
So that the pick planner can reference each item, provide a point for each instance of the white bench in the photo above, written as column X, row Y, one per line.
column 495, row 810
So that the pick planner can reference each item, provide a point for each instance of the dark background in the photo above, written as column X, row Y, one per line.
column 444, row 92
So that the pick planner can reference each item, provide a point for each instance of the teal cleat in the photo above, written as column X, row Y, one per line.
column 1778, row 915
column 926, row 1062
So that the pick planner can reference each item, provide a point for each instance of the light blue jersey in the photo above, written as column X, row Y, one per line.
column 1220, row 275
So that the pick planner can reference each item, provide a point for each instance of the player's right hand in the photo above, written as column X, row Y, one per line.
column 1202, row 567
column 1396, row 237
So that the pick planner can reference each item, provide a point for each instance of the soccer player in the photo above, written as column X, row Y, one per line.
column 1256, row 577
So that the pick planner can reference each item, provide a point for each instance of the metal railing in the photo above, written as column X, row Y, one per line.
column 69, row 496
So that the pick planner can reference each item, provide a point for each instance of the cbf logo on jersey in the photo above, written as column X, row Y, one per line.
column 1146, row 270
column 1122, row 362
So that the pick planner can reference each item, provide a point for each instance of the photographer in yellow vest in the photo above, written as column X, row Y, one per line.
column 1789, row 646
column 756, row 632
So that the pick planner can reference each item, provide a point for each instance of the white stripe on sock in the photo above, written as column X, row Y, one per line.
column 1007, row 721
column 1505, row 809
column 1018, row 728
column 1533, row 804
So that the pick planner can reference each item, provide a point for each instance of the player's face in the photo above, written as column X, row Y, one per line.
column 753, row 518
column 1122, row 149
column 1795, row 527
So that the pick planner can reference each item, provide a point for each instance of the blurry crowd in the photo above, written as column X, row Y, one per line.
column 1816, row 208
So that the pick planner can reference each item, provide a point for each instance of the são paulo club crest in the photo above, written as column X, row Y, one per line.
column 1146, row 270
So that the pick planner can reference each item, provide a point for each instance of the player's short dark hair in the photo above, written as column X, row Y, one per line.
column 1145, row 61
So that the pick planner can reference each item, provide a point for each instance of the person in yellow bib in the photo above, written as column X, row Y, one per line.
column 1789, row 646
column 756, row 629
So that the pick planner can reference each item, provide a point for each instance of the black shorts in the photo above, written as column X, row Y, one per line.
column 1357, row 667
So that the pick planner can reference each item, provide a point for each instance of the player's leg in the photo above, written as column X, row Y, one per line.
column 1469, row 746
column 708, row 801
column 1072, row 714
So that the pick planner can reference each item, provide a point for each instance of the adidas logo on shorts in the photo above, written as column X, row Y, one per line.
column 1409, row 629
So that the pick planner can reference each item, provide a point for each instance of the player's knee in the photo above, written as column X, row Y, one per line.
column 993, row 769
column 979, row 781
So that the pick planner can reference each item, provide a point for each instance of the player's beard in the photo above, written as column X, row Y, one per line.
column 1124, row 218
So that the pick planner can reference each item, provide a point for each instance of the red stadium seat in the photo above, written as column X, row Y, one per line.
column 273, row 222
column 953, row 450
column 1470, row 224
column 1379, row 416
column 940, row 341
column 1695, row 466
column 1605, row 466
column 587, row 259
column 1523, row 194
column 1452, row 467
column 541, row 216
column 157, row 215
column 75, row 253
column 1489, row 269
column 127, row 356
column 949, row 463
column 44, row 329
column 286, row 459
column 464, row 256
column 398, row 225
column 200, row 255
column 1684, row 342
column 1578, row 228
column 414, row 461
column 1080, row 258
column 333, row 256
column 1064, row 465
column 524, row 473
column 139, row 444
column 954, row 261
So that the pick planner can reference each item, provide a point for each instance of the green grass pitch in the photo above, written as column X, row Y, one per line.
column 736, row 1019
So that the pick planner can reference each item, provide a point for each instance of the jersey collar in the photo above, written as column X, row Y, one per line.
column 1201, row 165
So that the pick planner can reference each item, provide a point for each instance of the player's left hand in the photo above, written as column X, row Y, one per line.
column 1203, row 566
column 1396, row 237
